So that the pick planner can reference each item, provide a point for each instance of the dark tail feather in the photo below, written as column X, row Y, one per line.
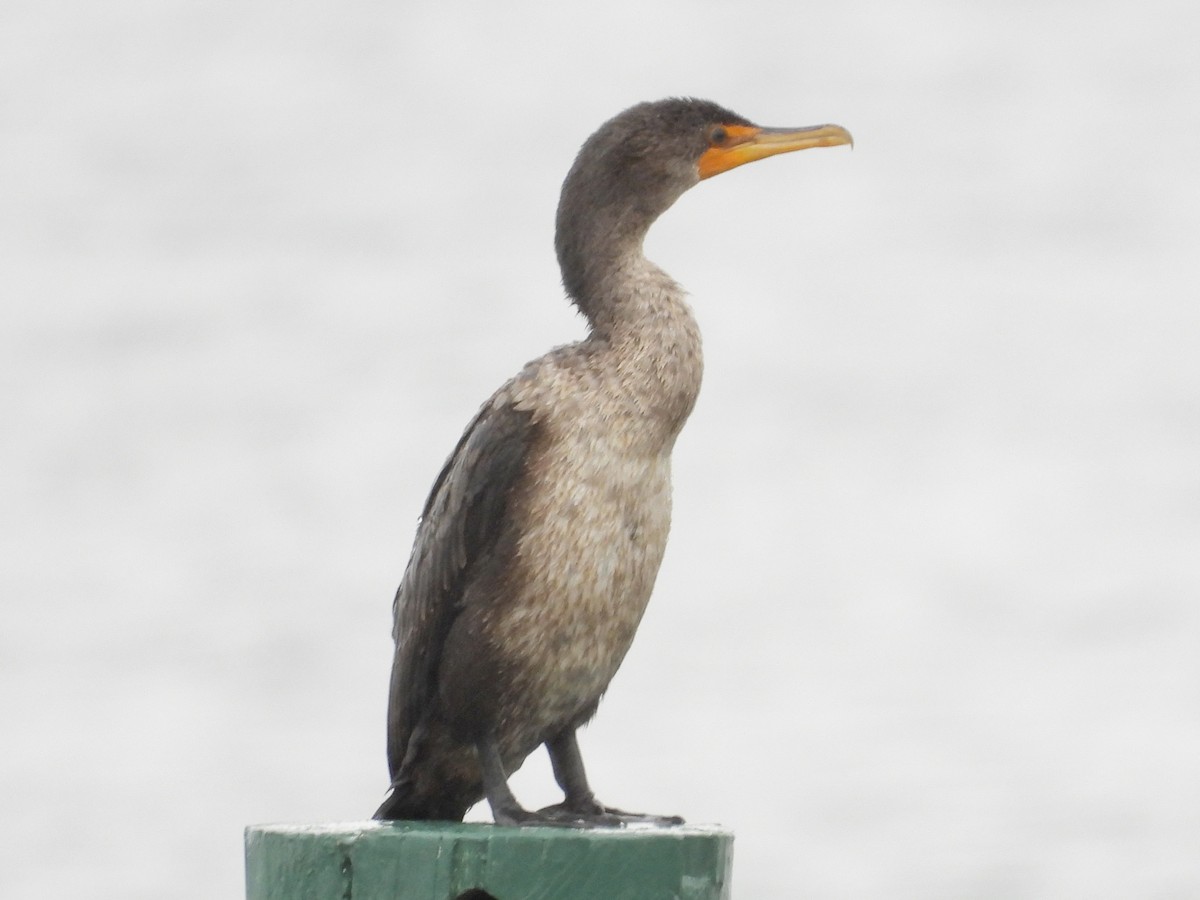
column 403, row 801
column 438, row 780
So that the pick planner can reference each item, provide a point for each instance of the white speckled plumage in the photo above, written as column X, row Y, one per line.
column 594, row 524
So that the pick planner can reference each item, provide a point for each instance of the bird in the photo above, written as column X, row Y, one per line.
column 538, row 547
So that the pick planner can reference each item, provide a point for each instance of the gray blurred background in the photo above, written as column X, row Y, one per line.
column 929, row 622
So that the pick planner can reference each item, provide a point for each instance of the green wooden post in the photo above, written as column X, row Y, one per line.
column 449, row 861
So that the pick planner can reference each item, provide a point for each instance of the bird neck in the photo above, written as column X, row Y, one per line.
column 645, row 334
column 632, row 299
column 599, row 249
column 641, row 328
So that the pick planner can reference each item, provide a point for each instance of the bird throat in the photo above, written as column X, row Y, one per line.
column 644, row 329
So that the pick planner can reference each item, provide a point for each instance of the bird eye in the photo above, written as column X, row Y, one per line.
column 718, row 136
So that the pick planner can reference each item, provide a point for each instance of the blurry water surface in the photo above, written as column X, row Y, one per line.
column 929, row 623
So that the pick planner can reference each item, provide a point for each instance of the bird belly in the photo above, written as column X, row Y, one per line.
column 594, row 534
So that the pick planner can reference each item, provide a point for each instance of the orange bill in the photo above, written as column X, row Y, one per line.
column 736, row 145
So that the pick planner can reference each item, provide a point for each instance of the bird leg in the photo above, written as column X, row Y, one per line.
column 578, row 799
column 579, row 808
column 505, row 808
column 567, row 763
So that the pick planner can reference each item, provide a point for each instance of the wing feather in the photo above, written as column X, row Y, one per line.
column 461, row 523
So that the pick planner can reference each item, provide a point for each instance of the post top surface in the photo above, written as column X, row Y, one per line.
column 484, row 830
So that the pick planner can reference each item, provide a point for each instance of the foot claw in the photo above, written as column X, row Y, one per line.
column 592, row 814
column 629, row 818
column 552, row 816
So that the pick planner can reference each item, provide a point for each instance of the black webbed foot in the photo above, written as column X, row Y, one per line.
column 593, row 814
column 579, row 809
column 505, row 808
column 549, row 817
column 634, row 818
column 580, row 802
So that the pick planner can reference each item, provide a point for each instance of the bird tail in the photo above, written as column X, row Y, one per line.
column 403, row 801
column 439, row 781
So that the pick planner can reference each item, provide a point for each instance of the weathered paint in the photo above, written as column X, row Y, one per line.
column 445, row 861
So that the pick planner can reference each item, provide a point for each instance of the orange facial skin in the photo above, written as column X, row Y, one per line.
column 735, row 145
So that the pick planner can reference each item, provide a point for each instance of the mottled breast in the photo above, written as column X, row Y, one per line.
column 594, row 512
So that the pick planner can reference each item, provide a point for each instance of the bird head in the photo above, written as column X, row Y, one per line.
column 638, row 163
column 658, row 150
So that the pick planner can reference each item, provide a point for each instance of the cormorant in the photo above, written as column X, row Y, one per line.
column 539, row 544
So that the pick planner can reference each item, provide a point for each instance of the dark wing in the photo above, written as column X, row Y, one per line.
column 460, row 525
